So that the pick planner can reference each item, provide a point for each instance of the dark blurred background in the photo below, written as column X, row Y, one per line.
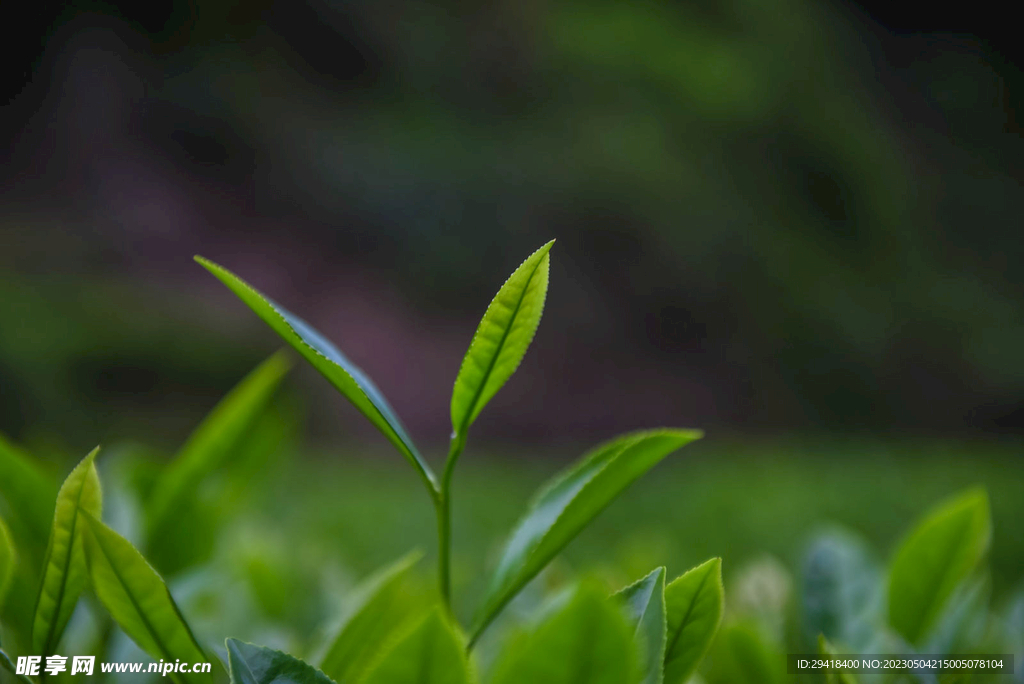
column 771, row 217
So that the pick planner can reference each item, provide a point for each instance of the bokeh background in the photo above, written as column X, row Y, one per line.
column 794, row 224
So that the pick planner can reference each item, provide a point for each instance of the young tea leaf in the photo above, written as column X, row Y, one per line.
column 27, row 491
column 589, row 640
column 694, row 603
column 8, row 559
column 220, row 436
column 431, row 653
column 138, row 600
column 65, row 574
column 346, row 377
column 382, row 608
column 938, row 554
column 645, row 604
column 501, row 339
column 568, row 503
column 251, row 664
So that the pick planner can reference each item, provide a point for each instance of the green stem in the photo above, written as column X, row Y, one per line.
column 444, row 519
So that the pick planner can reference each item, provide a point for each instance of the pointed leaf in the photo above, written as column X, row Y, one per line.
column 65, row 574
column 346, row 377
column 383, row 607
column 569, row 502
column 27, row 491
column 645, row 603
column 501, row 339
column 138, row 600
column 589, row 640
column 216, row 439
column 8, row 559
column 251, row 664
column 431, row 653
column 694, row 603
column 938, row 554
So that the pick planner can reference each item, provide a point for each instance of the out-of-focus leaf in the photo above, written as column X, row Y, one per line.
column 826, row 650
column 431, row 653
column 8, row 560
column 345, row 376
column 65, row 574
column 251, row 664
column 213, row 442
column 382, row 608
column 6, row 664
column 961, row 624
column 938, row 554
column 842, row 590
column 568, row 503
column 501, row 339
column 645, row 605
column 138, row 600
column 693, row 605
column 743, row 655
column 27, row 491
column 589, row 640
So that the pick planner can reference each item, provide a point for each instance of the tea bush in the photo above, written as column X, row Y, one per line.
column 931, row 598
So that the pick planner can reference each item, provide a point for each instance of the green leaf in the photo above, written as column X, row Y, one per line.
column 501, row 339
column 826, row 650
column 568, row 503
column 250, row 664
column 27, row 491
column 938, row 554
column 742, row 655
column 65, row 574
column 138, row 600
column 589, row 640
column 645, row 603
column 6, row 664
column 8, row 560
column 346, row 377
column 431, row 653
column 842, row 597
column 693, row 603
column 217, row 438
column 382, row 607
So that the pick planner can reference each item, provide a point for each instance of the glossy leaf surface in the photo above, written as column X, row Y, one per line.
column 694, row 602
column 251, row 664
column 645, row 605
column 138, row 600
column 65, row 574
column 501, row 339
column 569, row 502
column 345, row 376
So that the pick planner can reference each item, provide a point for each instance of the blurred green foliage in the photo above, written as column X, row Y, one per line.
column 813, row 220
